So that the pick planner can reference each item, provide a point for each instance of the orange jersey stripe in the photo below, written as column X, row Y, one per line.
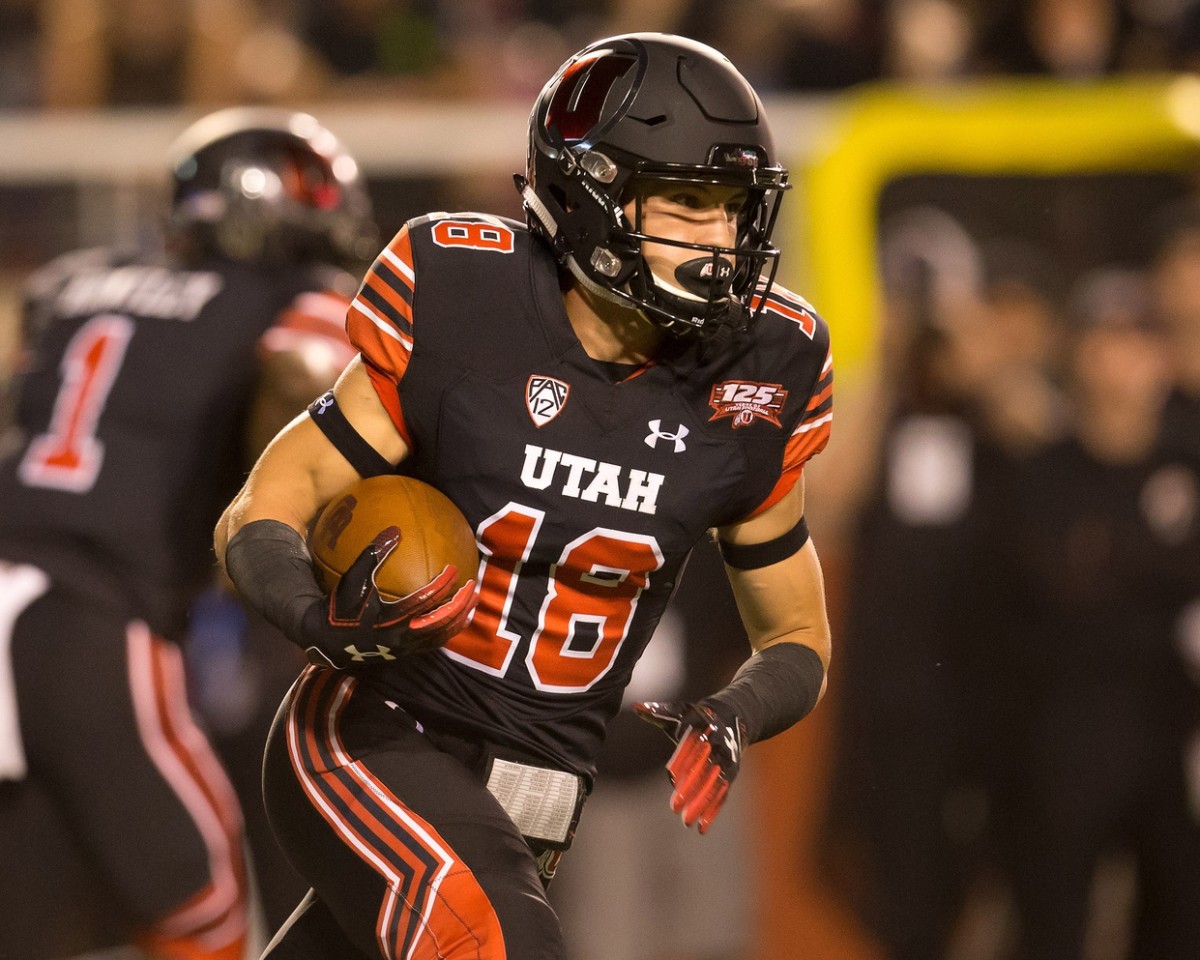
column 388, row 300
column 379, row 323
column 820, row 397
column 808, row 440
column 391, row 281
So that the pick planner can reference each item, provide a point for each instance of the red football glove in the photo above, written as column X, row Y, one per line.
column 356, row 627
column 706, row 760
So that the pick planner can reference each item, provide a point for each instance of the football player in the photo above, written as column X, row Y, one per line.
column 146, row 373
column 596, row 389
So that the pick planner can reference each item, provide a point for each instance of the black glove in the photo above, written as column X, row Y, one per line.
column 705, row 762
column 355, row 627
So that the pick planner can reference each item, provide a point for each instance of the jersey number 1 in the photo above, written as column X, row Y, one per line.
column 68, row 455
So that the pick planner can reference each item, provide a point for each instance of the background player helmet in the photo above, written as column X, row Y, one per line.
column 268, row 187
column 652, row 107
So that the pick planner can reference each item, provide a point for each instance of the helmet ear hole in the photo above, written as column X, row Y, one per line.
column 560, row 197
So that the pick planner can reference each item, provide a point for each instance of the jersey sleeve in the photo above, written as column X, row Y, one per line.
column 810, row 433
column 380, row 321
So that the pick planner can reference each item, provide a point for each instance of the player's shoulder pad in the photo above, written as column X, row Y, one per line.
column 788, row 346
column 445, row 249
column 430, row 247
column 788, row 312
column 468, row 231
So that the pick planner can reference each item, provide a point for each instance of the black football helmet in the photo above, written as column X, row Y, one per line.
column 268, row 187
column 649, row 107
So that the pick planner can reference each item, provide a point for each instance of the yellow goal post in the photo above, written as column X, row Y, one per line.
column 1034, row 128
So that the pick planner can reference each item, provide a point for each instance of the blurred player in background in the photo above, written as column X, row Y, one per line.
column 596, row 391
column 906, row 835
column 148, row 378
column 1099, row 553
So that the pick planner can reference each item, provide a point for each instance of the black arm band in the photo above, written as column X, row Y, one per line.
column 272, row 570
column 363, row 457
column 753, row 555
column 774, row 689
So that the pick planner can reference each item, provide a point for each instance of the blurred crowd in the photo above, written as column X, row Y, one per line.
column 1017, row 741
column 87, row 53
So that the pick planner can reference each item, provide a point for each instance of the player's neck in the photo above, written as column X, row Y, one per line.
column 610, row 332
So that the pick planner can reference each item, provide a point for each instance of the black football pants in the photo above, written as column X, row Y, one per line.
column 123, row 826
column 407, row 853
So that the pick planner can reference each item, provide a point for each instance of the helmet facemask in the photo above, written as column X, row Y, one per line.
column 714, row 288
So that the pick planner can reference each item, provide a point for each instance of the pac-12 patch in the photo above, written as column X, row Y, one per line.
column 545, row 397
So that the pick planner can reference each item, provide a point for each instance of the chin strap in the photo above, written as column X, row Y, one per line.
column 550, row 225
column 534, row 203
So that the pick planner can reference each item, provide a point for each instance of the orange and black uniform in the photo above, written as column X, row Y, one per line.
column 116, row 820
column 587, row 490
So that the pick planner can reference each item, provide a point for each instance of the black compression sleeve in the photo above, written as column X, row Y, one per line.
column 774, row 689
column 272, row 570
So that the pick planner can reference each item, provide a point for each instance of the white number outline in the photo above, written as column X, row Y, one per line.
column 82, row 397
column 599, row 575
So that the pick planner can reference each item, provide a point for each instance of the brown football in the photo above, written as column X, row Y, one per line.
column 433, row 533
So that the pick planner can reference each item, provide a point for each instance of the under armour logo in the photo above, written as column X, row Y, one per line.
column 657, row 433
column 731, row 741
column 324, row 403
column 358, row 656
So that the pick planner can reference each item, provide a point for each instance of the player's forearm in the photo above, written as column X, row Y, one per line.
column 783, row 609
column 297, row 474
column 784, row 603
column 773, row 690
column 271, row 568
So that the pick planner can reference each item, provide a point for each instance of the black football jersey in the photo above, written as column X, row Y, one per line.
column 133, row 393
column 586, row 494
